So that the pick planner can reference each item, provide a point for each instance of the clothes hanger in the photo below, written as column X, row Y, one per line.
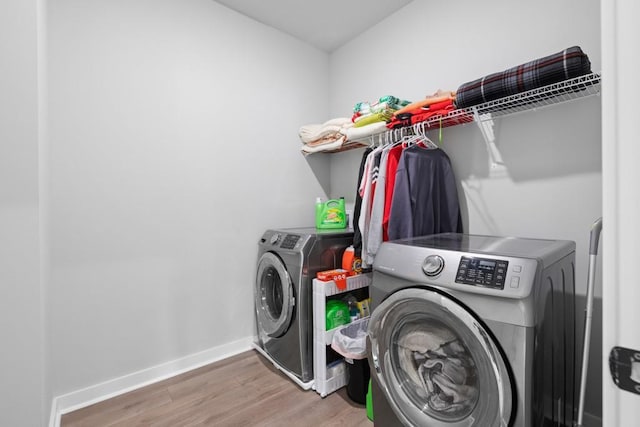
column 426, row 141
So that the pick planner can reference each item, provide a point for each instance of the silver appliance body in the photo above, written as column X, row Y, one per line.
column 471, row 330
column 288, row 260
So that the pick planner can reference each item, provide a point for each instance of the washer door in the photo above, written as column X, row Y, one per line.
column 436, row 363
column 274, row 297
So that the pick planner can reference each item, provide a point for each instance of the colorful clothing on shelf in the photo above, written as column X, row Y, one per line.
column 382, row 109
column 421, row 114
column 381, row 116
column 439, row 96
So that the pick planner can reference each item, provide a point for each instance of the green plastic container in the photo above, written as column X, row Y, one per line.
column 369, row 403
column 331, row 214
column 337, row 314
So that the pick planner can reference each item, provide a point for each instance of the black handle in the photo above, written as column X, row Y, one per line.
column 624, row 364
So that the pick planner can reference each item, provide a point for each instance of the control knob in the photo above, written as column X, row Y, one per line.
column 433, row 265
column 274, row 238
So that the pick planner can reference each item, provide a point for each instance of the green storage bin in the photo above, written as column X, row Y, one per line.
column 369, row 403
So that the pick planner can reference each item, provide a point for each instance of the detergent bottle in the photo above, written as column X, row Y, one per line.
column 330, row 214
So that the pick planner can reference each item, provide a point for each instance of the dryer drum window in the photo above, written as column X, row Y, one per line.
column 274, row 296
column 438, row 362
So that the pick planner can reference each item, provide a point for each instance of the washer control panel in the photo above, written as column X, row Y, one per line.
column 290, row 241
column 482, row 272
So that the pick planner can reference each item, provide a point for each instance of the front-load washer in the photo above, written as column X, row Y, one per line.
column 470, row 330
column 288, row 260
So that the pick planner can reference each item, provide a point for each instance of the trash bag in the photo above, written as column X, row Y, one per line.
column 351, row 340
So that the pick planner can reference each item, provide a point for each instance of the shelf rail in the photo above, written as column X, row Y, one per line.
column 553, row 94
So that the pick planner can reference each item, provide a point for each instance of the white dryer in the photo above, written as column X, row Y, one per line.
column 471, row 330
column 288, row 260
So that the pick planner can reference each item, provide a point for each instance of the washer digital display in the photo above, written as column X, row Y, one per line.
column 482, row 272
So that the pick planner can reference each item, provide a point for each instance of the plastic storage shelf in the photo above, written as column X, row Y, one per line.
column 328, row 379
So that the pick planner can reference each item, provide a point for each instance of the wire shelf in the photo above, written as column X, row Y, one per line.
column 553, row 94
column 483, row 114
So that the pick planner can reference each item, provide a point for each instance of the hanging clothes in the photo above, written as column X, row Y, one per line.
column 381, row 199
column 357, row 234
column 367, row 190
column 392, row 166
column 425, row 197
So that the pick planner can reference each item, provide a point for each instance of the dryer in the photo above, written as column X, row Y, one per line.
column 288, row 260
column 472, row 330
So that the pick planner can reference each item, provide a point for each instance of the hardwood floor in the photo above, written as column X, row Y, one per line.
column 244, row 390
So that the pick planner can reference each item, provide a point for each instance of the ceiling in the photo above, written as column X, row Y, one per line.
column 326, row 24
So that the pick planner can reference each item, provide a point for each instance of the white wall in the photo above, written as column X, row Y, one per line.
column 22, row 372
column 173, row 146
column 553, row 157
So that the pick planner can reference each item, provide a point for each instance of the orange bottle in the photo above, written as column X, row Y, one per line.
column 347, row 258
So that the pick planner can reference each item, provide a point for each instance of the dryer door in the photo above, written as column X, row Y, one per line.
column 274, row 296
column 436, row 363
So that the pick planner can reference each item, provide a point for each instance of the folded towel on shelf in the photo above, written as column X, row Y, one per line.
column 564, row 65
column 328, row 144
column 360, row 133
column 314, row 132
column 327, row 139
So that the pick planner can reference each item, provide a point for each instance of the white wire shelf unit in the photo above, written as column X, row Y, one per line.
column 553, row 94
column 483, row 114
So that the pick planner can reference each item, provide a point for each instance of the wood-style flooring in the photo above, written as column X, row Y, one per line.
column 243, row 390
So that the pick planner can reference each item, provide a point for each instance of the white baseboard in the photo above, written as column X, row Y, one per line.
column 93, row 394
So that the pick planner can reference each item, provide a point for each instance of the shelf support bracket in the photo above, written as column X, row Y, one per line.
column 485, row 123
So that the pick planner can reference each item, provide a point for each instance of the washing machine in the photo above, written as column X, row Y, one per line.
column 288, row 260
column 471, row 330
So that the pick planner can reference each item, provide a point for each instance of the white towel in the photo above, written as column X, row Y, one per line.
column 313, row 132
column 328, row 146
column 363, row 132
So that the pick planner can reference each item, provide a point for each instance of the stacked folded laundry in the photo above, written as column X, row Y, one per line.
column 365, row 113
column 438, row 104
column 328, row 136
column 340, row 133
column 563, row 65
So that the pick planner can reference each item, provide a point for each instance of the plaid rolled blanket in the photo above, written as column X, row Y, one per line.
column 567, row 64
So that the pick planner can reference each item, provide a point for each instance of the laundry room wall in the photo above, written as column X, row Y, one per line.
column 22, row 353
column 173, row 146
column 552, row 184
